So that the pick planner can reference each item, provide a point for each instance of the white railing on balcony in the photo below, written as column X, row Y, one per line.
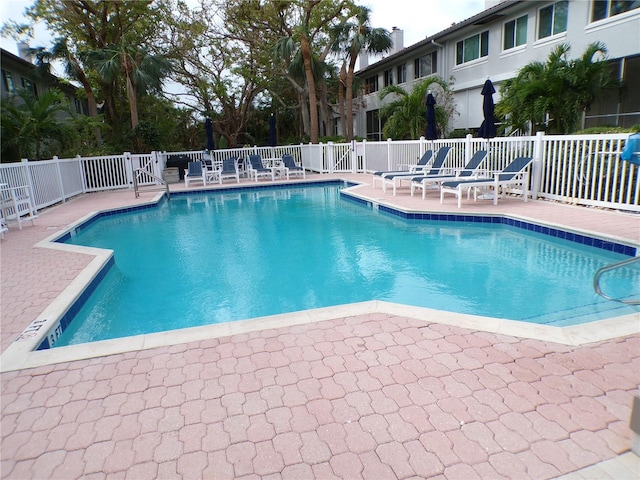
column 576, row 169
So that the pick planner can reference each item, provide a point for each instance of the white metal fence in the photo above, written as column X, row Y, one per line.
column 576, row 169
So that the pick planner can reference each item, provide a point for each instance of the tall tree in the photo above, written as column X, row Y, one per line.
column 89, row 25
column 307, row 25
column 351, row 37
column 73, row 70
column 142, row 70
column 217, row 63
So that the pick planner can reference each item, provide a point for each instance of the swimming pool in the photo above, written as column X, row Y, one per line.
column 206, row 258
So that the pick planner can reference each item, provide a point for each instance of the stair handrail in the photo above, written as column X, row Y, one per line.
column 142, row 171
column 613, row 266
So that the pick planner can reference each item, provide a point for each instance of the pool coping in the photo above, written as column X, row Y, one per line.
column 22, row 352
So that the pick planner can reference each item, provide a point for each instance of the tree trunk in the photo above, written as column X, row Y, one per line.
column 313, row 101
column 133, row 103
column 341, row 86
column 304, row 113
column 349, row 94
column 91, row 98
column 327, row 120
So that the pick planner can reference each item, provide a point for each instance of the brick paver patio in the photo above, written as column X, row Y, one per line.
column 367, row 396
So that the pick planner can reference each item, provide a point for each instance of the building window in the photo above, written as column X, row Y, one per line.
column 371, row 84
column 7, row 81
column 472, row 48
column 29, row 86
column 388, row 77
column 402, row 73
column 425, row 65
column 552, row 19
column 515, row 33
column 374, row 127
column 608, row 8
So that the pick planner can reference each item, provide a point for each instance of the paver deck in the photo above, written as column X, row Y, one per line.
column 369, row 395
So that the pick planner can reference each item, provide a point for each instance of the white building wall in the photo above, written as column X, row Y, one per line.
column 620, row 34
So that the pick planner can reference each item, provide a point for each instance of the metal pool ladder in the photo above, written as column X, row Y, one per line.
column 159, row 183
column 613, row 266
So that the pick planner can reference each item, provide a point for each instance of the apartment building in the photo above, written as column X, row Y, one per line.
column 497, row 42
column 20, row 72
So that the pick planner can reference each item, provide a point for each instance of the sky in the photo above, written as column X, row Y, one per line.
column 416, row 18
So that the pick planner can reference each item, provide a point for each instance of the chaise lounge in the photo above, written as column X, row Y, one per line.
column 412, row 169
column 228, row 169
column 290, row 167
column 395, row 179
column 256, row 169
column 469, row 171
column 195, row 173
column 514, row 174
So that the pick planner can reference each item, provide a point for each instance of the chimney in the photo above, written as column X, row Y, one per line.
column 24, row 52
column 363, row 59
column 397, row 36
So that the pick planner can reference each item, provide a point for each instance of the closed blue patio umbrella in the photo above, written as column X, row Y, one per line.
column 208, row 127
column 431, row 132
column 488, row 127
column 272, row 131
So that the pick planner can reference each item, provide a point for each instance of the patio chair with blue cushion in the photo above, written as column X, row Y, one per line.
column 195, row 172
column 437, row 168
column 470, row 170
column 404, row 168
column 256, row 169
column 514, row 174
column 290, row 167
column 229, row 169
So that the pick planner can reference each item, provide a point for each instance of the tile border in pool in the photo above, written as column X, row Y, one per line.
column 23, row 353
column 501, row 219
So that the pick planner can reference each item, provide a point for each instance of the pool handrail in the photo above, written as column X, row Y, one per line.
column 613, row 266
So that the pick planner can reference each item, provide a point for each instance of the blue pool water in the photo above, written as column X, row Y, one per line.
column 216, row 257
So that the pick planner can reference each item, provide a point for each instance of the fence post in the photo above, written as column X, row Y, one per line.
column 128, row 168
column 360, row 149
column 327, row 153
column 82, row 172
column 467, row 148
column 59, row 175
column 538, row 164
column 389, row 167
column 157, row 168
column 25, row 161
column 423, row 146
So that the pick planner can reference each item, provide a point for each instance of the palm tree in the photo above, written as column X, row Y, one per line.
column 406, row 115
column 314, row 16
column 73, row 70
column 351, row 37
column 30, row 122
column 143, row 71
column 287, row 49
column 555, row 94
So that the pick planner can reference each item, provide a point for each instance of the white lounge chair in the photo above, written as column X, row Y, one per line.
column 256, row 169
column 3, row 226
column 228, row 169
column 195, row 173
column 514, row 174
column 403, row 168
column 16, row 204
column 469, row 171
column 437, row 168
column 290, row 167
